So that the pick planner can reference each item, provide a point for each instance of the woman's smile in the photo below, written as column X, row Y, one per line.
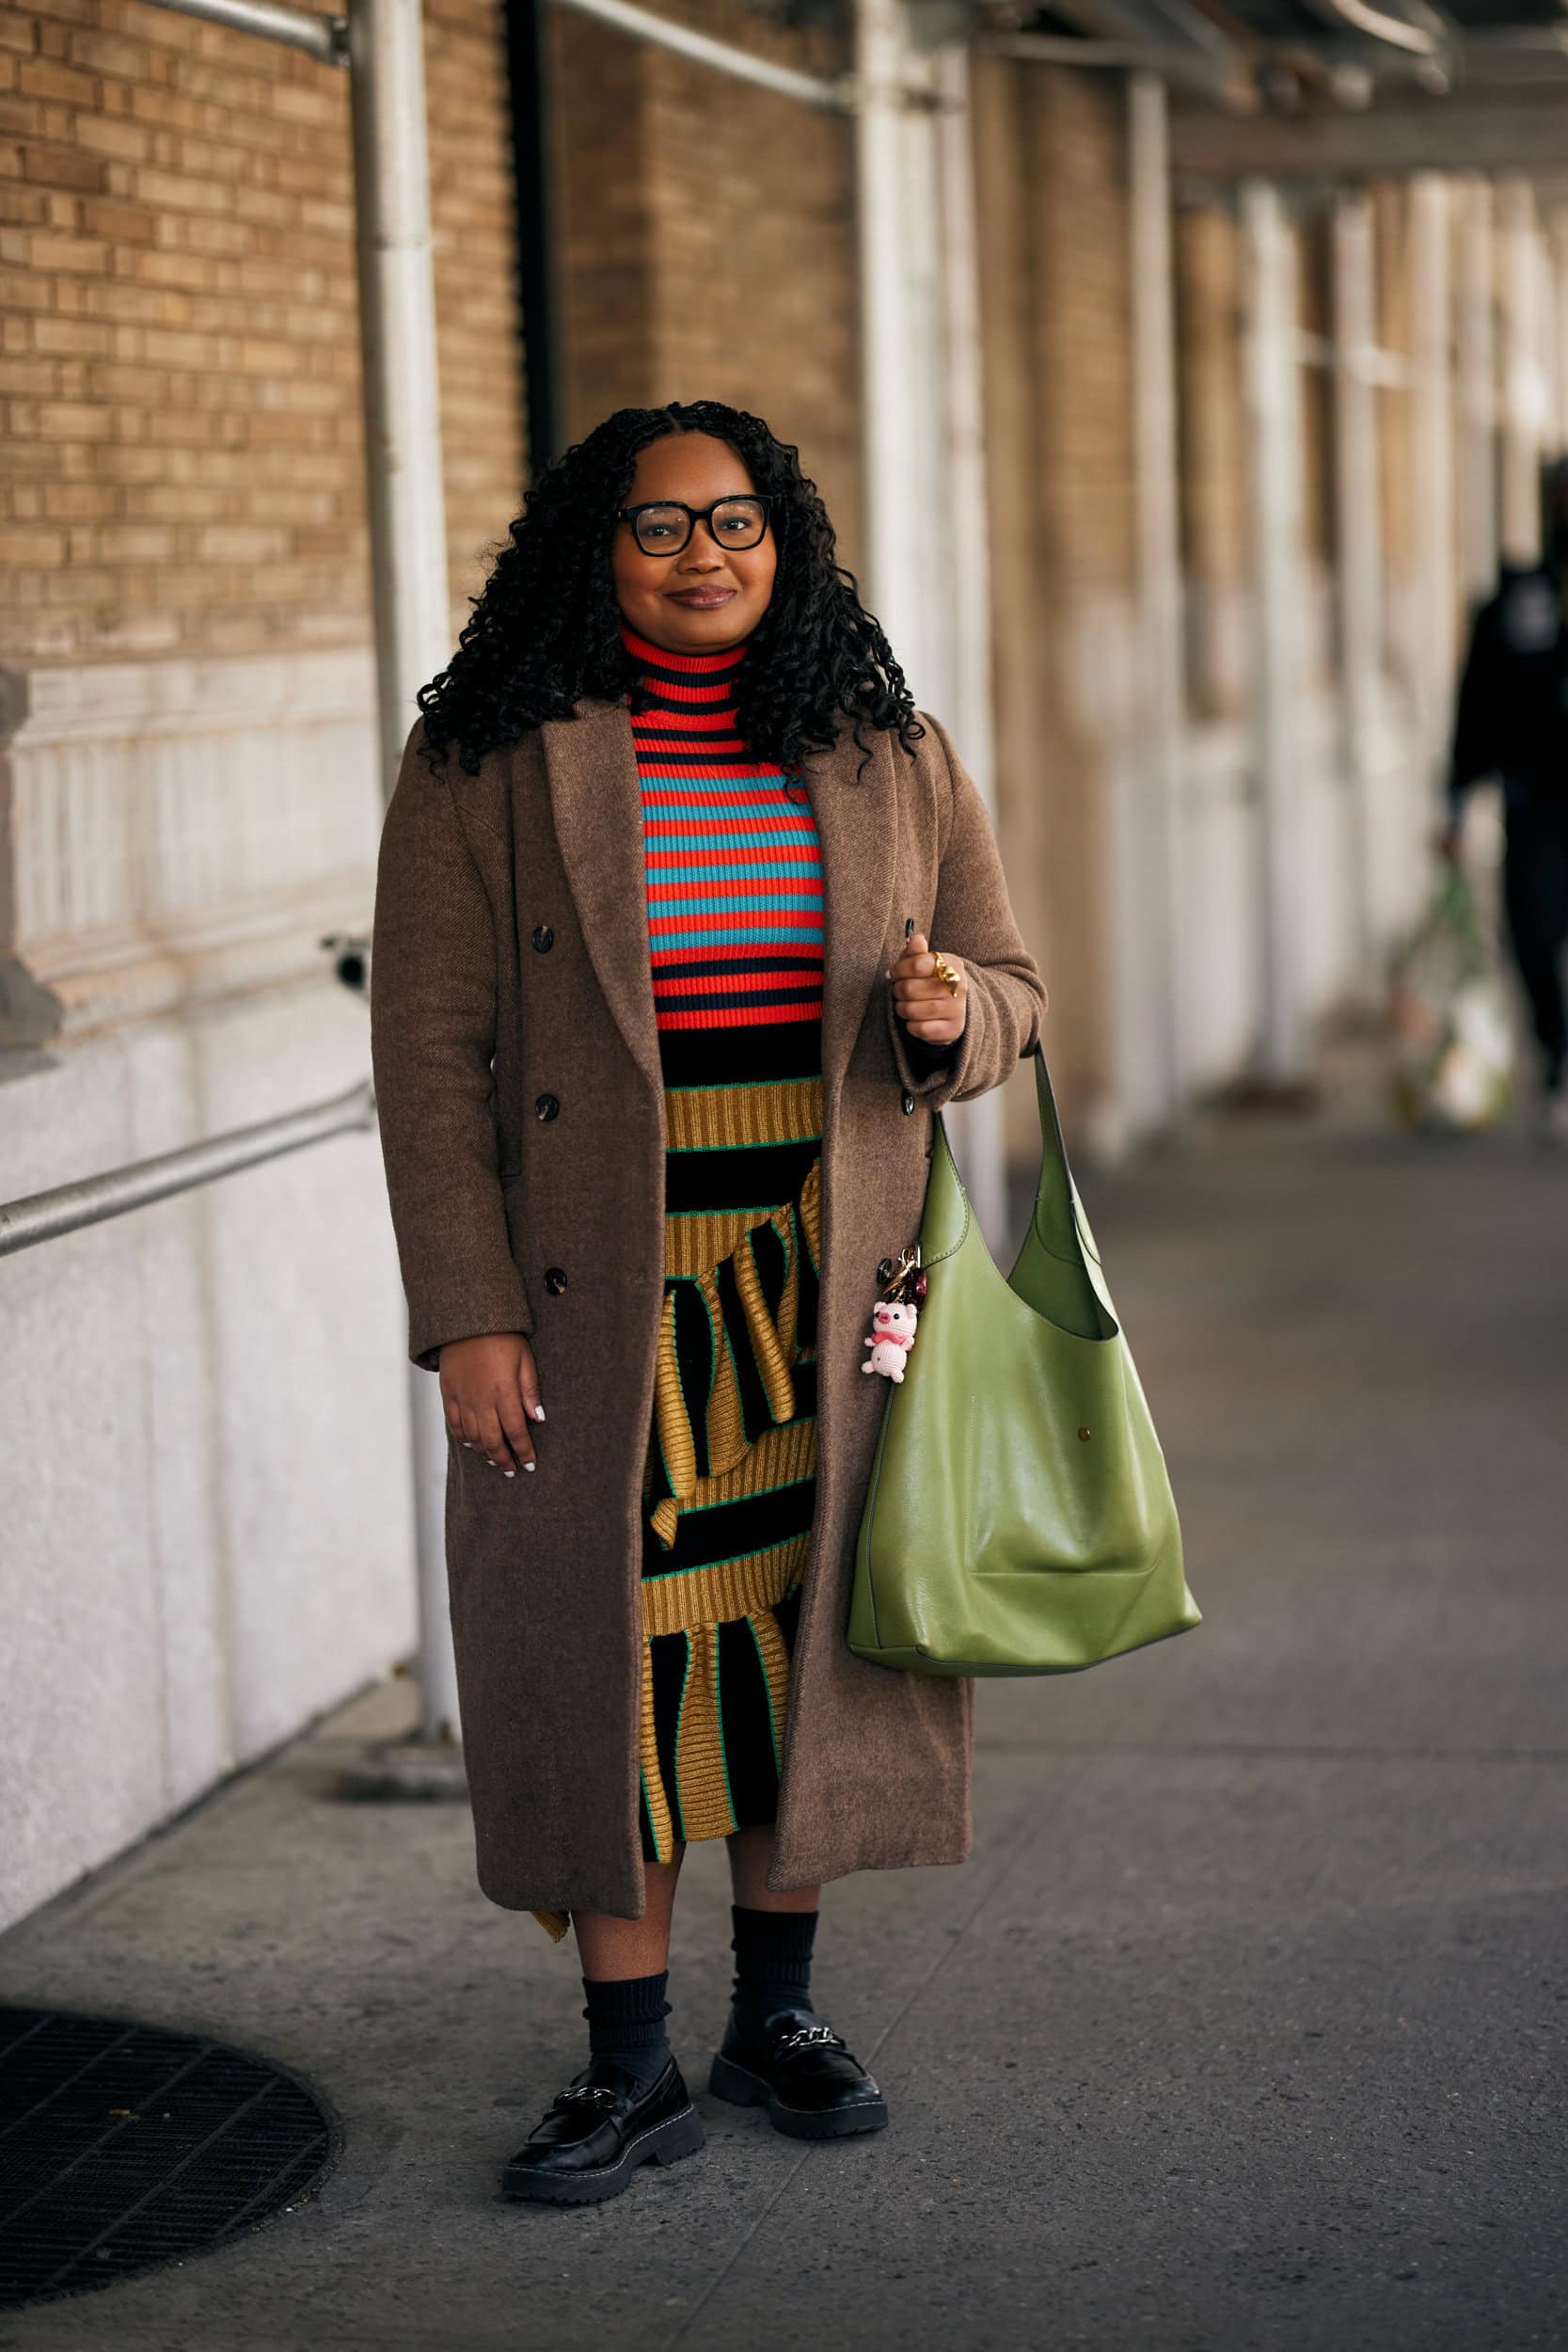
column 702, row 598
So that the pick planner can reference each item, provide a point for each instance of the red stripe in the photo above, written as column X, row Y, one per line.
column 804, row 850
column 741, row 920
column 695, row 696
column 687, row 817
column 726, row 658
column 661, row 894
column 731, row 983
column 704, row 817
column 743, row 1016
column 719, row 730
column 714, row 954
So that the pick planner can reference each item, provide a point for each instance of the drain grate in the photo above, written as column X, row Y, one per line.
column 122, row 2147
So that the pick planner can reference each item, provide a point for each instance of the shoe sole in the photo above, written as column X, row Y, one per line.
column 743, row 2088
column 661, row 2143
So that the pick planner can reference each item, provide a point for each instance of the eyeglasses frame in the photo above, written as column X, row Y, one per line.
column 695, row 514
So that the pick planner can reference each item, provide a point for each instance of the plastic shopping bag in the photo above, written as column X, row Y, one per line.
column 1451, row 1018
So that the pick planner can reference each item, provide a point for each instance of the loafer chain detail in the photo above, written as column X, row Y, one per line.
column 798, row 2068
column 596, row 2133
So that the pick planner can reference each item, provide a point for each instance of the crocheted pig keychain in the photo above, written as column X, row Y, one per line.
column 896, row 1314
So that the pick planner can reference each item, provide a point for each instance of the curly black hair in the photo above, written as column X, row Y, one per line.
column 546, row 628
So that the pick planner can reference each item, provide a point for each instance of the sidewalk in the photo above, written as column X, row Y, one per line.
column 1242, row 2029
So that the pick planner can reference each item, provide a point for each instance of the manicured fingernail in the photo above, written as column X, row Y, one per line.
column 508, row 1473
column 538, row 1412
column 528, row 1465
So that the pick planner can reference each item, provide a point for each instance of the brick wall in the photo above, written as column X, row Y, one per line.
column 1051, row 151
column 707, row 238
column 1211, row 411
column 1314, row 279
column 1391, row 264
column 180, row 457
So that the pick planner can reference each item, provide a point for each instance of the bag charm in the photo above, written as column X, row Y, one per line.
column 896, row 1314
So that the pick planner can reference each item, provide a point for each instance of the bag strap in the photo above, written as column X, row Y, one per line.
column 1055, row 1193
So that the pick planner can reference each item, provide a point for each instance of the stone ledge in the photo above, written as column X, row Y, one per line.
column 174, row 831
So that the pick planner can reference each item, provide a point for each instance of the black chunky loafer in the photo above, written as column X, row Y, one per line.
column 798, row 2069
column 598, row 2130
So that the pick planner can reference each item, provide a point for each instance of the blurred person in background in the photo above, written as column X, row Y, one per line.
column 667, row 890
column 1511, row 723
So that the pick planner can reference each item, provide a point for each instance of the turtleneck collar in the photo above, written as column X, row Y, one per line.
column 643, row 650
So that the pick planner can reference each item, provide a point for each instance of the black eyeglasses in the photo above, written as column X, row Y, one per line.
column 663, row 526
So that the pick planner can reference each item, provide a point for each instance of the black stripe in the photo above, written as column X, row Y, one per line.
column 669, row 1654
column 724, row 965
column 695, row 1340
column 746, row 1723
column 646, row 731
column 772, row 1264
column 764, row 1175
column 767, row 1050
column 727, row 1531
column 652, row 766
column 734, row 999
column 755, row 1412
column 805, row 1318
column 721, row 668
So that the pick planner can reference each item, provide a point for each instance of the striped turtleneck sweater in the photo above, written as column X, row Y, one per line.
column 734, row 896
column 731, row 854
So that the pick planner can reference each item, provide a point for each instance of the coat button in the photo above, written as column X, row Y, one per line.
column 555, row 1279
column 545, row 1106
column 541, row 939
column 909, row 1100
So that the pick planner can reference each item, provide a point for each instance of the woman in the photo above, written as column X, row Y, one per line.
column 666, row 893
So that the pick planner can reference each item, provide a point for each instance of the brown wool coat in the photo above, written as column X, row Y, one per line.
column 472, row 1019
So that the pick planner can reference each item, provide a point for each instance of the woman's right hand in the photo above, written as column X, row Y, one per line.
column 490, row 1393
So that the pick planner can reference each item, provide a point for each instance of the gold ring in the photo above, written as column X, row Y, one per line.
column 946, row 974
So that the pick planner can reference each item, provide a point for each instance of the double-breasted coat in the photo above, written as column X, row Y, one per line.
column 511, row 971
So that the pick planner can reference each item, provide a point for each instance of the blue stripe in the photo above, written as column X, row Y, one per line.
column 684, row 787
column 736, row 903
column 706, row 870
column 738, row 837
column 727, row 938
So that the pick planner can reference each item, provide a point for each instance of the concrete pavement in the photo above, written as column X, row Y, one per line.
column 1244, row 2026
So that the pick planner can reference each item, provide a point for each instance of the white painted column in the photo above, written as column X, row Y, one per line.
column 1148, row 907
column 893, row 355
column 1478, row 378
column 1557, row 247
column 1524, row 390
column 965, row 601
column 1433, row 451
column 408, row 571
column 1359, row 543
column 1274, row 469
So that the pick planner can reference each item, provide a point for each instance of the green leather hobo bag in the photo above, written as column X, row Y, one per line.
column 1018, row 1518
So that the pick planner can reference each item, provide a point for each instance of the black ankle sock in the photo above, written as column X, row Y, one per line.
column 772, row 1964
column 625, row 2023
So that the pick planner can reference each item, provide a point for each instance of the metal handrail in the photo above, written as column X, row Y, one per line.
column 815, row 89
column 323, row 37
column 43, row 1216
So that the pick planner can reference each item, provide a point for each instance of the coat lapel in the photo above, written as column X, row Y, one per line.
column 857, row 823
column 597, row 803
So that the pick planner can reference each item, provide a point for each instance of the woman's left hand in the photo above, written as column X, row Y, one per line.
column 922, row 1002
